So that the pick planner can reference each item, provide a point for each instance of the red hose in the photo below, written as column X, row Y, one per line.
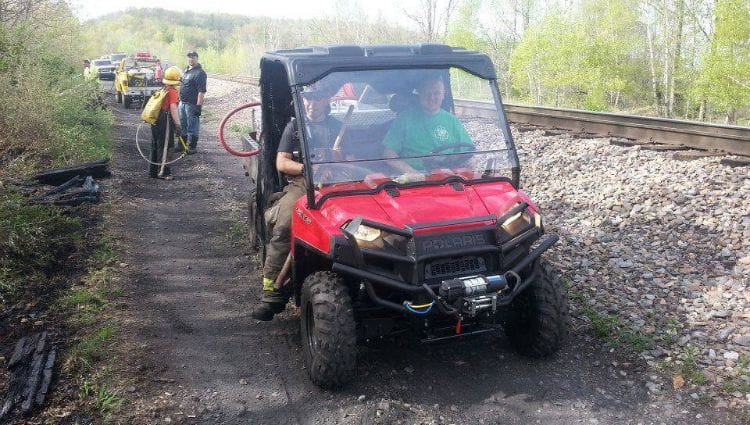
column 221, row 131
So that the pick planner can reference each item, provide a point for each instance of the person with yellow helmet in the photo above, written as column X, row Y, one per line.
column 167, row 125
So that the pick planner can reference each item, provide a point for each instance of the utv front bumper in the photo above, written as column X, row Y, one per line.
column 462, row 271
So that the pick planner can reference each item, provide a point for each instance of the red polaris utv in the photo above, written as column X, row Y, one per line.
column 454, row 250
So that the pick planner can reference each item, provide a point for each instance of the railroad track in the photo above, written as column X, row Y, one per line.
column 658, row 132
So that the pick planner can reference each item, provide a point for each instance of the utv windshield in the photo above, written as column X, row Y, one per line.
column 366, row 128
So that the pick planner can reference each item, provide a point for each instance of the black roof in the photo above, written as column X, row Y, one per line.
column 309, row 64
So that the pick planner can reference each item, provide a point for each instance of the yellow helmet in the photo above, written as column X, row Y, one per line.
column 171, row 76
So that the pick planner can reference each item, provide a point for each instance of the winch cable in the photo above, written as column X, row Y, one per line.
column 138, row 146
column 221, row 131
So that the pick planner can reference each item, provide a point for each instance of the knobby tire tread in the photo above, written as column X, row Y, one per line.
column 333, row 364
column 539, row 318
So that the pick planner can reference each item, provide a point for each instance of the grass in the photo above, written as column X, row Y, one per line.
column 615, row 332
column 208, row 115
column 237, row 233
column 36, row 240
column 241, row 128
column 91, row 348
column 743, row 362
column 736, row 385
column 690, row 369
column 104, row 399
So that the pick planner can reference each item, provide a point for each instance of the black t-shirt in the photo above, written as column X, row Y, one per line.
column 192, row 82
column 322, row 135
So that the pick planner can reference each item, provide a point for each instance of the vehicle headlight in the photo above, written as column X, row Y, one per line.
column 517, row 223
column 366, row 233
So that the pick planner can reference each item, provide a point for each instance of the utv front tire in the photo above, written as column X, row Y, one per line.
column 328, row 330
column 538, row 320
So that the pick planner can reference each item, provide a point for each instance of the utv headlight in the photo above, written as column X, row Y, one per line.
column 362, row 233
column 517, row 223
column 366, row 233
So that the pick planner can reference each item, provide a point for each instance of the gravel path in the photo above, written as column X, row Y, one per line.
column 197, row 357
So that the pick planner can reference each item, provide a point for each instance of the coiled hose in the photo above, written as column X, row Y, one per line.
column 221, row 131
column 138, row 146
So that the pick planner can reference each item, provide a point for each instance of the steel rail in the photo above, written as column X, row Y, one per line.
column 692, row 134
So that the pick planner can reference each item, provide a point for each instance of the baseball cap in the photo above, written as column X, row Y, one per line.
column 317, row 91
column 193, row 53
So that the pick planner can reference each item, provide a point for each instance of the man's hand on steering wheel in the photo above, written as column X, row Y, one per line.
column 445, row 161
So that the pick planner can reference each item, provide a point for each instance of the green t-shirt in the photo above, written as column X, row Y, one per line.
column 416, row 133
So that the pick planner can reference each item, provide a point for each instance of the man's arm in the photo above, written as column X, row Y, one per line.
column 175, row 115
column 201, row 88
column 285, row 162
column 400, row 165
column 287, row 165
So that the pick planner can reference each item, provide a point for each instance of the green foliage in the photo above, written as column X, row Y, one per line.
column 615, row 332
column 35, row 240
column 724, row 79
column 690, row 369
column 582, row 61
column 91, row 348
column 50, row 116
column 226, row 43
column 105, row 400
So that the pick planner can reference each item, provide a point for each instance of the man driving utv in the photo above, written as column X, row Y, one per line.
column 323, row 131
column 424, row 128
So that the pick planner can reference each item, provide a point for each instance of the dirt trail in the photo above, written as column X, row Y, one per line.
column 196, row 356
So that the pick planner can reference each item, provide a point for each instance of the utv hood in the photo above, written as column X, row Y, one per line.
column 438, row 205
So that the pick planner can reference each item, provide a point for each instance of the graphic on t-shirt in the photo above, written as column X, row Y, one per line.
column 440, row 133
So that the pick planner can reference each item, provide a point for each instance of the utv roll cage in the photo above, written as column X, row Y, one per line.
column 284, row 73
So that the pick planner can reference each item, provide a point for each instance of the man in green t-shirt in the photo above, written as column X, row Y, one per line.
column 418, row 131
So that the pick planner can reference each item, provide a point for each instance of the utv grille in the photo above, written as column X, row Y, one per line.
column 454, row 266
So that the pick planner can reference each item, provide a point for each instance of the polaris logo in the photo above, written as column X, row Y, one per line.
column 453, row 242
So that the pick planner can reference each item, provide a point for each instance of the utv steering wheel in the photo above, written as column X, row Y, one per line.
column 438, row 162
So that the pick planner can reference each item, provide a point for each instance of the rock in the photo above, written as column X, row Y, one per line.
column 653, row 387
column 724, row 333
column 624, row 264
column 243, row 381
column 743, row 340
column 732, row 355
column 409, row 370
column 361, row 398
column 723, row 314
column 658, row 353
column 384, row 405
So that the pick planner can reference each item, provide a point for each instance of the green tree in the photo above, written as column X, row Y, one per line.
column 724, row 79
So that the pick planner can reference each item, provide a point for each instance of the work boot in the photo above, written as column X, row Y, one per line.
column 265, row 311
column 272, row 302
column 193, row 145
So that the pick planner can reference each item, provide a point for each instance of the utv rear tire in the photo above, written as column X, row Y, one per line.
column 328, row 330
column 538, row 320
